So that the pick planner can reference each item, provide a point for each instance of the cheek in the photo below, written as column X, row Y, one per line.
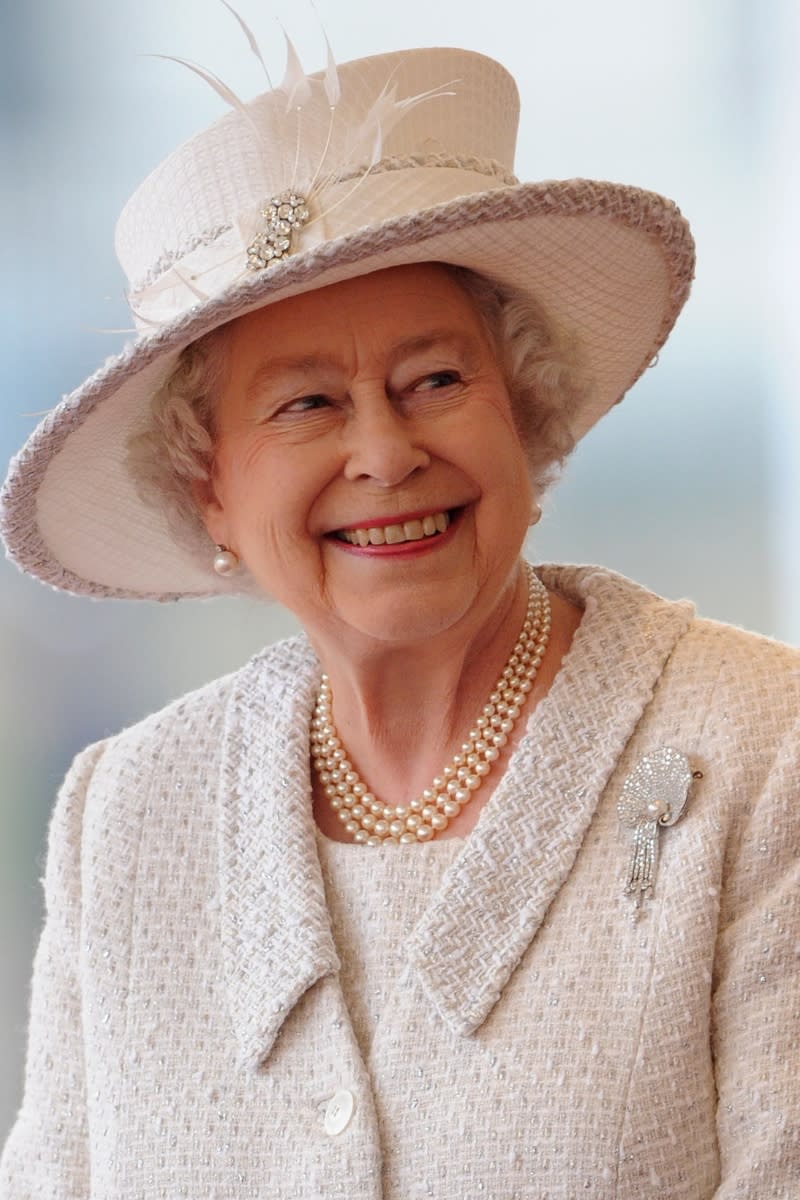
column 506, row 483
column 267, row 494
column 244, row 458
column 517, row 450
column 501, row 448
column 504, row 413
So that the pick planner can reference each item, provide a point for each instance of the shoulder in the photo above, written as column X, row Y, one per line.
column 745, row 652
column 753, row 680
column 134, row 793
column 732, row 690
column 735, row 698
column 743, row 692
column 187, row 735
column 758, row 670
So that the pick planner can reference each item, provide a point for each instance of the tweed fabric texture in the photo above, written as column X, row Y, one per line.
column 189, row 1024
column 374, row 903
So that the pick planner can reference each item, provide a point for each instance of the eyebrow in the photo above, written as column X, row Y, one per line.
column 272, row 368
column 432, row 340
column 275, row 368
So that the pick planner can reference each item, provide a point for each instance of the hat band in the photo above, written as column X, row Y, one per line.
column 211, row 263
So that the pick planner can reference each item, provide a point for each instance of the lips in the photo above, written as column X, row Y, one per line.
column 416, row 529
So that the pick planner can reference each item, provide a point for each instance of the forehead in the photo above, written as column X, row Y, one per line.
column 395, row 304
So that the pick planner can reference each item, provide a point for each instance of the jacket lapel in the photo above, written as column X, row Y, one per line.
column 277, row 940
column 495, row 896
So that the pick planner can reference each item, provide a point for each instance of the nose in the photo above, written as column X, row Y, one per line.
column 382, row 444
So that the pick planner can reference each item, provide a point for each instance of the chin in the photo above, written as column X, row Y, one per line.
column 396, row 619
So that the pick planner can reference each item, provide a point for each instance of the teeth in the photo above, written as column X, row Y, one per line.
column 413, row 530
column 394, row 535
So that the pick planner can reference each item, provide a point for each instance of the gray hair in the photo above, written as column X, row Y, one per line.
column 540, row 363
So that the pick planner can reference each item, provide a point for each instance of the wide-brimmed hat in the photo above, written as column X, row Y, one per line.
column 395, row 159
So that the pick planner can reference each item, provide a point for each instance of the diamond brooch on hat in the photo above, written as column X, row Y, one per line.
column 285, row 215
column 653, row 796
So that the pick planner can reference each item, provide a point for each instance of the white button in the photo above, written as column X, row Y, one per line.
column 338, row 1112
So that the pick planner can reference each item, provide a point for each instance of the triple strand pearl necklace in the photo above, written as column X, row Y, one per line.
column 372, row 823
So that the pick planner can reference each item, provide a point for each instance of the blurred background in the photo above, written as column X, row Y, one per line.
column 692, row 486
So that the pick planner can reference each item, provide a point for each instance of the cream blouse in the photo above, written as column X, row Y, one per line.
column 376, row 896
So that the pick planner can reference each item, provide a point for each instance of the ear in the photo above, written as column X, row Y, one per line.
column 209, row 506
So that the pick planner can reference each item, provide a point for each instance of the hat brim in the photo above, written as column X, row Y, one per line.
column 610, row 263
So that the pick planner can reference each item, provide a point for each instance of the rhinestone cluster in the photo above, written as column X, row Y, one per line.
column 373, row 823
column 653, row 795
column 285, row 215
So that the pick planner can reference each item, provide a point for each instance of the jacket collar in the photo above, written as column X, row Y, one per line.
column 277, row 940
column 495, row 896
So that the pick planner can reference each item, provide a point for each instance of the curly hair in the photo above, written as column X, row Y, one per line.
column 541, row 367
column 540, row 363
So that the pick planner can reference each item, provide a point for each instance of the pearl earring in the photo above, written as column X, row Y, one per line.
column 226, row 562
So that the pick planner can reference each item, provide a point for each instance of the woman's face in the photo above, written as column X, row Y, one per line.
column 368, row 470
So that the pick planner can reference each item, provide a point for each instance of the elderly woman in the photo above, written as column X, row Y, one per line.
column 486, row 886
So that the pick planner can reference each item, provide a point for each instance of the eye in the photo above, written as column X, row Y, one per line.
column 305, row 404
column 437, row 380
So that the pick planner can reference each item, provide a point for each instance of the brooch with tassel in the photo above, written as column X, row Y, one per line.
column 653, row 796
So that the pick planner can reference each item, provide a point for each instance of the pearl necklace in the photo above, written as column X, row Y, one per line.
column 368, row 820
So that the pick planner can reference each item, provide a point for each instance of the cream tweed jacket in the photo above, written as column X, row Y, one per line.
column 188, row 1028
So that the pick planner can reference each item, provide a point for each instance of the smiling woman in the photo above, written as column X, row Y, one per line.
column 386, row 407
column 356, row 920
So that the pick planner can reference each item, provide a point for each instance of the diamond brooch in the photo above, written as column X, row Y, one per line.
column 285, row 215
column 653, row 796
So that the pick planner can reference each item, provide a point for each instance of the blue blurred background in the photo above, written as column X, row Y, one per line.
column 691, row 486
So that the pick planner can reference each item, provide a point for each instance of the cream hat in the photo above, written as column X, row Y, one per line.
column 399, row 158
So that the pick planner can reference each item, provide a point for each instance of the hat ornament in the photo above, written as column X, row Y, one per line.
column 295, row 216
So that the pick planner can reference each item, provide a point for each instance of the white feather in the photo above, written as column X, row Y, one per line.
column 187, row 283
column 333, row 89
column 366, row 146
column 384, row 113
column 218, row 86
column 100, row 329
column 140, row 316
column 248, row 33
column 295, row 83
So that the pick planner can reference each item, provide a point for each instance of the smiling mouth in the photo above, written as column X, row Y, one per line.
column 415, row 530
